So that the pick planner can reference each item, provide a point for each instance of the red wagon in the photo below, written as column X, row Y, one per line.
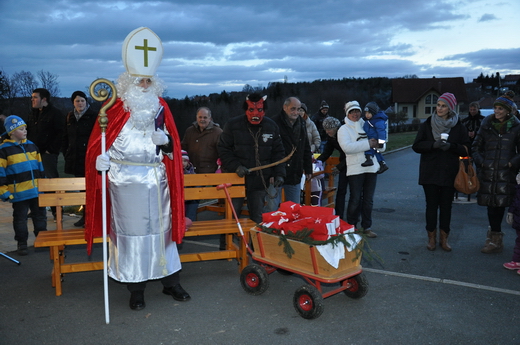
column 308, row 263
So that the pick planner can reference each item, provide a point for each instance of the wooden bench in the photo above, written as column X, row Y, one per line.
column 71, row 191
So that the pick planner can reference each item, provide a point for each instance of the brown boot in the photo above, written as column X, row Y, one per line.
column 495, row 243
column 432, row 239
column 443, row 241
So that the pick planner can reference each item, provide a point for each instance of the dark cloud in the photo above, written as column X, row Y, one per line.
column 213, row 46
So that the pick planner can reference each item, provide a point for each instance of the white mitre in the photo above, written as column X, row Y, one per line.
column 142, row 53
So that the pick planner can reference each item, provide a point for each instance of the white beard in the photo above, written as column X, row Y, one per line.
column 142, row 106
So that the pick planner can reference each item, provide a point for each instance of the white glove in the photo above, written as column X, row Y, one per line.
column 509, row 218
column 159, row 138
column 103, row 162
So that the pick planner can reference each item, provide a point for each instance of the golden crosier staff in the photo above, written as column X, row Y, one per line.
column 102, row 96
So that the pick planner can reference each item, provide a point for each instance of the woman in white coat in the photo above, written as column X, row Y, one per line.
column 361, row 180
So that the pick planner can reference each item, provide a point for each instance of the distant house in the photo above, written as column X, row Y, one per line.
column 418, row 97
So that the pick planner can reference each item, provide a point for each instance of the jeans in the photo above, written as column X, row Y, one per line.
column 39, row 218
column 50, row 166
column 438, row 199
column 341, row 193
column 495, row 216
column 256, row 200
column 361, row 201
column 292, row 193
column 191, row 207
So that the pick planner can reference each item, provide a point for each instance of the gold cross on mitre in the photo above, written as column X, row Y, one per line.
column 142, row 52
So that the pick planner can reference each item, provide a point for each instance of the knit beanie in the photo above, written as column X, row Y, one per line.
column 185, row 155
column 506, row 101
column 304, row 107
column 449, row 99
column 351, row 105
column 13, row 122
column 372, row 108
column 330, row 123
column 323, row 105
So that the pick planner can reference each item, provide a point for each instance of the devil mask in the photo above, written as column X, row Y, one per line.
column 255, row 111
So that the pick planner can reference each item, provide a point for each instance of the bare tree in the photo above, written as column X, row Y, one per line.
column 50, row 82
column 25, row 83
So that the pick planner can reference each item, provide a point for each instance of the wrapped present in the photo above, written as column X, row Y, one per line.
column 276, row 218
column 298, row 225
column 345, row 227
column 291, row 209
column 316, row 211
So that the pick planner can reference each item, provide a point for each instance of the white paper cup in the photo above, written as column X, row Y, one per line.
column 444, row 136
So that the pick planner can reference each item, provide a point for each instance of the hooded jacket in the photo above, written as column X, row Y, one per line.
column 492, row 153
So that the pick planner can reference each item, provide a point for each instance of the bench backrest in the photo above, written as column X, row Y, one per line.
column 204, row 187
column 329, row 192
column 71, row 191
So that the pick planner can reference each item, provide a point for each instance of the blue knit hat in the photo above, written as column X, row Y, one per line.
column 12, row 122
column 506, row 101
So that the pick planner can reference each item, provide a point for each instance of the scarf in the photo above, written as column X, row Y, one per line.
column 503, row 127
column 440, row 125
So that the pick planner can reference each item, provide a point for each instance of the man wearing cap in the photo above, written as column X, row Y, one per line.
column 318, row 118
column 145, row 177
column 20, row 167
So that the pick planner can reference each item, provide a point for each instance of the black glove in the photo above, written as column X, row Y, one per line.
column 242, row 171
column 445, row 146
column 278, row 181
column 437, row 144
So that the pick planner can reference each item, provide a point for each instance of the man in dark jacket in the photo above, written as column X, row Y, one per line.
column 318, row 118
column 294, row 135
column 45, row 129
column 249, row 141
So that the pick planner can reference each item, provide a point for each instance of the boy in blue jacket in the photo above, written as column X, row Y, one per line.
column 20, row 167
column 375, row 127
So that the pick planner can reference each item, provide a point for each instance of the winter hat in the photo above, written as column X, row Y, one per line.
column 331, row 123
column 351, row 105
column 505, row 101
column 323, row 105
column 449, row 99
column 185, row 155
column 12, row 122
column 304, row 107
column 372, row 107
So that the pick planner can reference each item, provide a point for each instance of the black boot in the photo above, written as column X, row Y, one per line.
column 137, row 300
column 382, row 167
column 368, row 162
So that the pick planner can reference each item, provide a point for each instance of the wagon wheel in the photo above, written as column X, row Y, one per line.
column 308, row 302
column 254, row 279
column 357, row 286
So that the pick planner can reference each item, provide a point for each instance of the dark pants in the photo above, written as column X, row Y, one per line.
column 341, row 193
column 361, row 201
column 39, row 218
column 168, row 281
column 191, row 207
column 516, row 250
column 495, row 216
column 50, row 166
column 438, row 199
column 255, row 204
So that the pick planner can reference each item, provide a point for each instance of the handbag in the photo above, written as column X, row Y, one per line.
column 466, row 180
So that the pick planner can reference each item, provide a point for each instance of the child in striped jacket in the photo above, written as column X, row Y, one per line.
column 20, row 167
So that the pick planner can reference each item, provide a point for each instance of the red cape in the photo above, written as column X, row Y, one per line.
column 117, row 117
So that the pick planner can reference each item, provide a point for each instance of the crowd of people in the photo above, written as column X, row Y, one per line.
column 147, row 159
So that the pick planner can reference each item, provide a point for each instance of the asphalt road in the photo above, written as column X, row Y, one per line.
column 415, row 296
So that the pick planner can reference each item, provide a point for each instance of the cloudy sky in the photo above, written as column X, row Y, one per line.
column 210, row 46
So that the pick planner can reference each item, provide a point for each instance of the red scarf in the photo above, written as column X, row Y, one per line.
column 117, row 117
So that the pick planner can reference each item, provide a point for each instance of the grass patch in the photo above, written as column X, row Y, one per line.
column 401, row 139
